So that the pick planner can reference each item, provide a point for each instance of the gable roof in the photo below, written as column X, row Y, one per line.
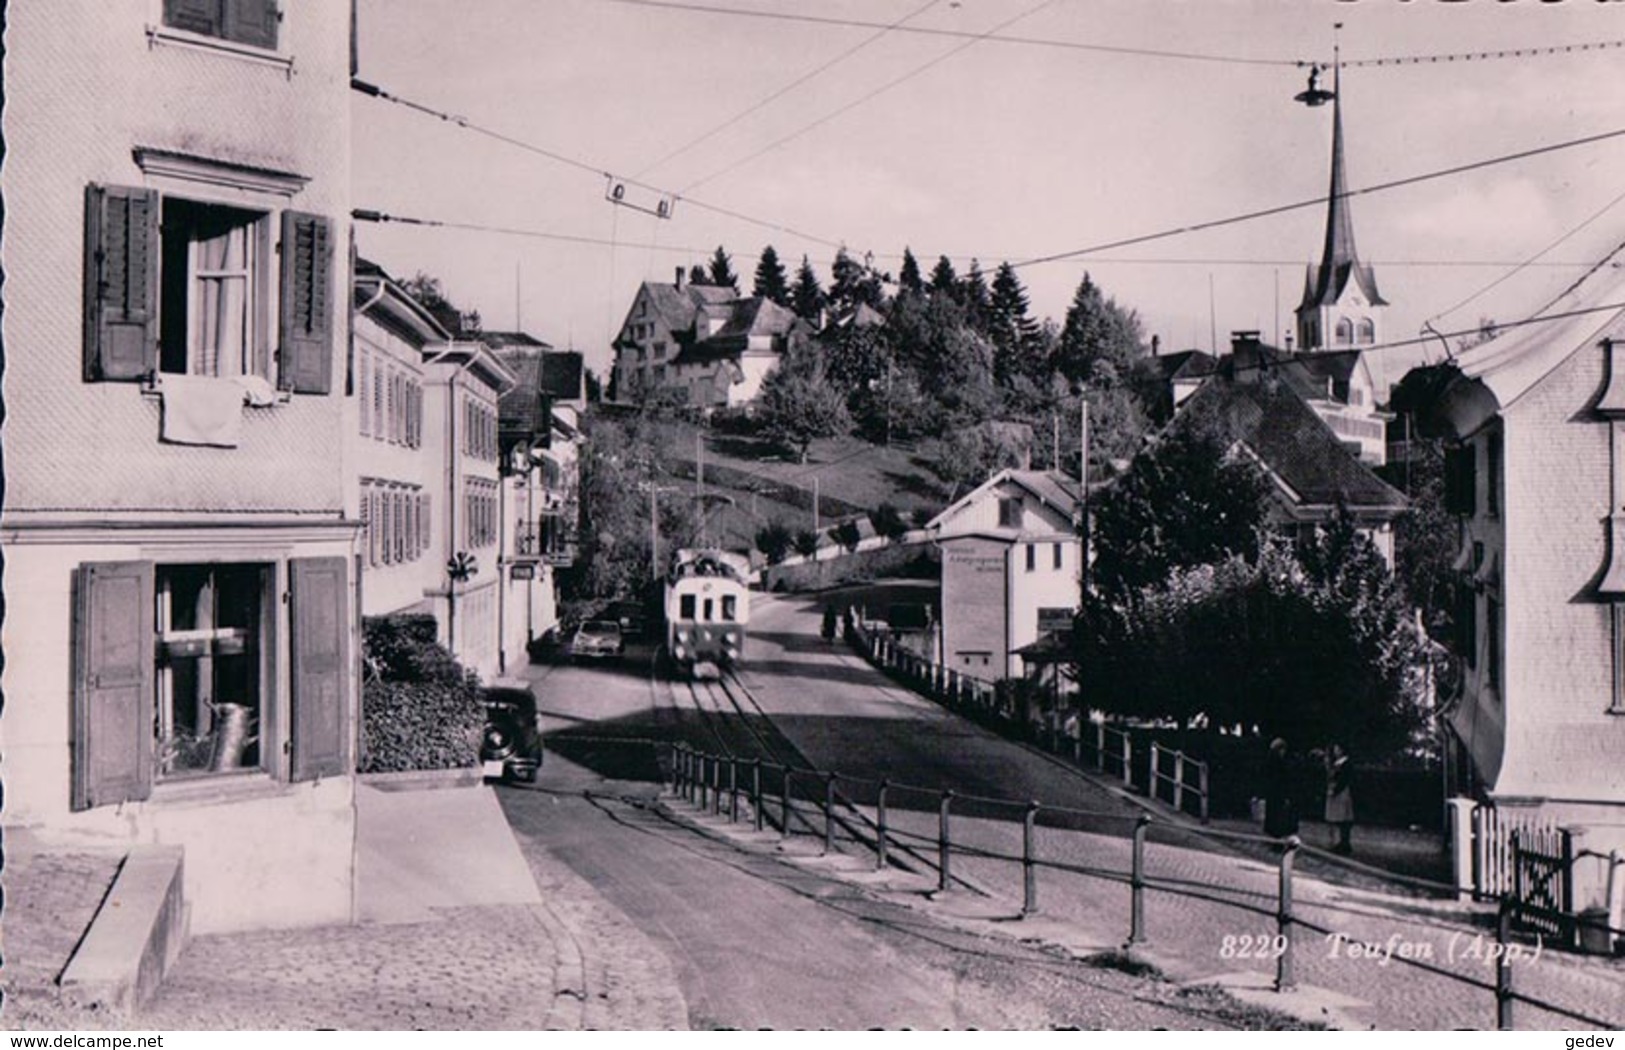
column 1274, row 422
column 1051, row 488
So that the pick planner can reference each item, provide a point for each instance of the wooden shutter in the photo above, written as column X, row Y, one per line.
column 113, row 651
column 364, row 396
column 252, row 22
column 121, row 282
column 319, row 664
column 307, row 304
column 194, row 16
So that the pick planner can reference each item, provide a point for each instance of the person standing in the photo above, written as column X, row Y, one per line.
column 1280, row 812
column 1340, row 797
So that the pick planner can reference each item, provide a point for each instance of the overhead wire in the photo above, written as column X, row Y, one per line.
column 1282, row 209
column 1529, row 262
column 1132, row 51
column 791, row 86
column 867, row 96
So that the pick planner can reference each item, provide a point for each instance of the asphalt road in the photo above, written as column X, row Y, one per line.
column 757, row 937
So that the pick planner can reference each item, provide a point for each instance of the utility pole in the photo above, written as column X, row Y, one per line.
column 1055, row 441
column 654, row 531
column 1083, row 496
column 815, row 502
column 699, row 482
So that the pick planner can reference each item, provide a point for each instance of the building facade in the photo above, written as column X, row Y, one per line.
column 1011, row 560
column 700, row 345
column 179, row 535
column 1537, row 478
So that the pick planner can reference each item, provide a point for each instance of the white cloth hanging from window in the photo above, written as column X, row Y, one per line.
column 201, row 410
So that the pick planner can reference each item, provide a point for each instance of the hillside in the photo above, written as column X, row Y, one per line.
column 750, row 483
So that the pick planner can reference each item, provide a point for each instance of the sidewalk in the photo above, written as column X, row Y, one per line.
column 453, row 933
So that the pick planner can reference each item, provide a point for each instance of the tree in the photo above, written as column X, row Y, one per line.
column 1013, row 331
column 431, row 295
column 1183, row 502
column 1098, row 332
column 722, row 271
column 852, row 283
column 888, row 522
column 848, row 535
column 774, row 541
column 806, row 543
column 908, row 277
column 697, row 275
column 977, row 300
column 806, row 297
column 798, row 404
column 771, row 281
column 944, row 281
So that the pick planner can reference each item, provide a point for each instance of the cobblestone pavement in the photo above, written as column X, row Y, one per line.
column 50, row 898
column 857, row 723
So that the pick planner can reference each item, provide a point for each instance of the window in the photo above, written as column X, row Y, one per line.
column 1460, row 470
column 1345, row 331
column 171, row 673
column 251, row 22
column 730, row 607
column 194, row 293
column 685, row 607
column 212, row 319
column 1059, row 556
column 706, row 608
column 1617, row 615
column 1010, row 512
column 1367, row 331
column 1492, row 475
column 1032, row 556
column 211, row 668
column 1467, row 624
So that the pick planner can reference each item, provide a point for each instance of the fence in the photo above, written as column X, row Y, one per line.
column 1530, row 862
column 722, row 784
column 1171, row 776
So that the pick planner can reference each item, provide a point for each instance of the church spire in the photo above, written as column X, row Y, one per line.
column 1341, row 304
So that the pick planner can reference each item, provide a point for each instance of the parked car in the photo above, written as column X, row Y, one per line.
column 633, row 619
column 511, row 746
column 597, row 640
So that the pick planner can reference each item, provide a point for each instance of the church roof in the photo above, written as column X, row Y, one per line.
column 1340, row 263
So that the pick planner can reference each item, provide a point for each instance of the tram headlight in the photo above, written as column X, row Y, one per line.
column 682, row 636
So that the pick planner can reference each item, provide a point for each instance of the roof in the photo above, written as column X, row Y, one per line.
column 375, row 292
column 1185, row 364
column 744, row 319
column 1049, row 487
column 1339, row 261
column 1272, row 420
column 1317, row 375
column 503, row 340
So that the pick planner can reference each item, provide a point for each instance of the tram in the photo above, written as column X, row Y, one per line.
column 707, row 609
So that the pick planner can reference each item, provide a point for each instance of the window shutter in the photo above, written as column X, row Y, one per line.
column 307, row 308
column 363, row 396
column 121, row 282
column 113, row 683
column 194, row 16
column 318, row 646
column 252, row 22
column 424, row 518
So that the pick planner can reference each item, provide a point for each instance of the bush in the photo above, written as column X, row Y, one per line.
column 922, row 517
column 807, row 543
column 848, row 535
column 420, row 709
column 774, row 540
column 889, row 522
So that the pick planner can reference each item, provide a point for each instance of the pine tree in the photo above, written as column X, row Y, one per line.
column 908, row 278
column 1012, row 329
column 806, row 296
column 697, row 275
column 944, row 281
column 771, row 280
column 1100, row 341
column 974, row 295
column 722, row 271
column 852, row 283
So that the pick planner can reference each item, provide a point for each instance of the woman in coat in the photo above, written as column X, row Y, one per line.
column 1280, row 813
column 1340, row 797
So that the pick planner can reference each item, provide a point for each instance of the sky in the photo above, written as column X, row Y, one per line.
column 1107, row 120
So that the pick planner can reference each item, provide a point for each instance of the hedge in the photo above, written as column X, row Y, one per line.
column 420, row 709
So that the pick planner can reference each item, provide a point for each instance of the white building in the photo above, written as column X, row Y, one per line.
column 1010, row 557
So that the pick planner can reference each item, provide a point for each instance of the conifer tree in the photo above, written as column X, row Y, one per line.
column 771, row 281
column 975, row 297
column 722, row 271
column 1012, row 329
column 944, row 281
column 806, row 296
column 908, row 277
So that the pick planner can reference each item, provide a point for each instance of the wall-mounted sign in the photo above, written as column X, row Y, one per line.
column 522, row 572
column 1055, row 620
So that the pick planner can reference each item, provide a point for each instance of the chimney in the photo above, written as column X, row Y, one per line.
column 1244, row 339
column 679, row 281
column 1156, row 345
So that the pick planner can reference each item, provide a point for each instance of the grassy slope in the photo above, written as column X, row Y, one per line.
column 852, row 476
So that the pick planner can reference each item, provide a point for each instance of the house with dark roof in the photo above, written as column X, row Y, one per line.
column 1011, row 559
column 1261, row 410
column 702, row 345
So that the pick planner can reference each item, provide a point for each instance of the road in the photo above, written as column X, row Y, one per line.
column 758, row 937
column 706, row 903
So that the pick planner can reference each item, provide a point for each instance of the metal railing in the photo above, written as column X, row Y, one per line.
column 1172, row 777
column 704, row 780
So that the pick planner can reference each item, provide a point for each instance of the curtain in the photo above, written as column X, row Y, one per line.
column 222, row 345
